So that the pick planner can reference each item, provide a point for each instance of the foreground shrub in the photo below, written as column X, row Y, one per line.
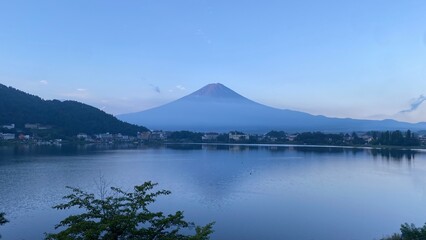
column 123, row 215
column 3, row 220
column 409, row 232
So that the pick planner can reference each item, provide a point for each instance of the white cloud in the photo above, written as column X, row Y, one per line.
column 180, row 87
column 78, row 94
column 44, row 82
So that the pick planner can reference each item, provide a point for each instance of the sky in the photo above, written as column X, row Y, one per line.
column 354, row 58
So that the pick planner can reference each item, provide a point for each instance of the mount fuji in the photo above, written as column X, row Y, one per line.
column 218, row 108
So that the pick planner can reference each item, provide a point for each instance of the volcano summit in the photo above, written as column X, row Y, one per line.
column 218, row 108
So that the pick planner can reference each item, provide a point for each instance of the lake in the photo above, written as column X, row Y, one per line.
column 251, row 192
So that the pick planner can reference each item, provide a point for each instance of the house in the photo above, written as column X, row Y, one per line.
column 32, row 125
column 291, row 137
column 367, row 138
column 23, row 137
column 210, row 136
column 158, row 135
column 37, row 126
column 105, row 137
column 422, row 139
column 7, row 136
column 82, row 136
column 238, row 136
column 144, row 135
column 121, row 137
column 11, row 126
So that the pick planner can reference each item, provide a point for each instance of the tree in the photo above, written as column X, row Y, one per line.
column 123, row 215
column 409, row 232
column 67, row 118
column 357, row 140
column 185, row 136
column 3, row 220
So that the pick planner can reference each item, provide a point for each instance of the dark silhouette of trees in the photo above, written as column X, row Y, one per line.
column 3, row 220
column 409, row 232
column 355, row 140
column 223, row 138
column 67, row 118
column 394, row 138
column 315, row 138
column 185, row 136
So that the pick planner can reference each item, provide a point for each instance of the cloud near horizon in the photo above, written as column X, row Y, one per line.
column 415, row 104
column 78, row 94
column 180, row 87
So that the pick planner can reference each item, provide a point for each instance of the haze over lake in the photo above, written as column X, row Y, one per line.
column 251, row 192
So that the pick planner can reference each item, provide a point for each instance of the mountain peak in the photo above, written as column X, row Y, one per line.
column 215, row 90
column 216, row 108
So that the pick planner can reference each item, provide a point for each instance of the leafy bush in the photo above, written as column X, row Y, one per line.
column 123, row 215
column 409, row 232
column 3, row 220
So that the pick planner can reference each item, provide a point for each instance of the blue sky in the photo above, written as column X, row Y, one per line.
column 361, row 59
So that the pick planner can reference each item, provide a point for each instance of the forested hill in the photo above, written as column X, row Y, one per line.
column 67, row 117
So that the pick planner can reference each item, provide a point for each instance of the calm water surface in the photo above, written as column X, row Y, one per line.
column 256, row 192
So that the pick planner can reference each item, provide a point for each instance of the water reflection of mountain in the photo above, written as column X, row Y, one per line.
column 226, row 184
column 215, row 175
column 220, row 172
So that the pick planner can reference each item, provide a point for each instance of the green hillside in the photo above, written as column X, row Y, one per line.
column 67, row 118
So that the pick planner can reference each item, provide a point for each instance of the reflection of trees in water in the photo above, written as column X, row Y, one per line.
column 184, row 146
column 277, row 149
column 394, row 154
column 329, row 150
column 389, row 154
column 60, row 150
column 283, row 148
column 18, row 150
column 75, row 149
column 231, row 147
column 70, row 149
column 319, row 150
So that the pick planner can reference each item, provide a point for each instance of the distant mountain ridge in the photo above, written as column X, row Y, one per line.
column 67, row 117
column 215, row 107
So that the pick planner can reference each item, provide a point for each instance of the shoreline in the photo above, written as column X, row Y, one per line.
column 402, row 148
column 126, row 145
